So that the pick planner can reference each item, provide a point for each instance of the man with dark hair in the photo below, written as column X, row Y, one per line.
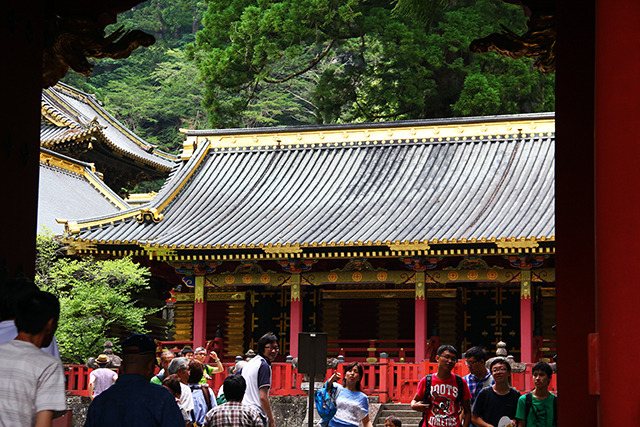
column 11, row 291
column 133, row 400
column 538, row 408
column 31, row 381
column 498, row 401
column 257, row 374
column 440, row 396
column 478, row 377
column 233, row 413
column 165, row 358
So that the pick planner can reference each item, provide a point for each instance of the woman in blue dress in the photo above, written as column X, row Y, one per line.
column 352, row 403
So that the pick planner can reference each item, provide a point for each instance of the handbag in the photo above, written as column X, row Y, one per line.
column 326, row 402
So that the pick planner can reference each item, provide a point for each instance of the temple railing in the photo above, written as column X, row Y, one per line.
column 391, row 381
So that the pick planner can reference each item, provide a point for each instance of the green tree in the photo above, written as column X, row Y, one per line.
column 95, row 297
column 346, row 61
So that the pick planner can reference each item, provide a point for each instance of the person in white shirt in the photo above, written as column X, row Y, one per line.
column 31, row 381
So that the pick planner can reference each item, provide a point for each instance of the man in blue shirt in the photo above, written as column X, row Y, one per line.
column 133, row 400
column 479, row 376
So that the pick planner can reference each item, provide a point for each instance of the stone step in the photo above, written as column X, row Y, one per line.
column 409, row 417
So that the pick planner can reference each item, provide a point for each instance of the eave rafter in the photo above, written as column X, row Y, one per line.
column 435, row 248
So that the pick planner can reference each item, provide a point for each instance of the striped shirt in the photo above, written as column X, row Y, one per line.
column 233, row 414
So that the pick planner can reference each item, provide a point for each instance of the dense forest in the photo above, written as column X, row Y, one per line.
column 248, row 63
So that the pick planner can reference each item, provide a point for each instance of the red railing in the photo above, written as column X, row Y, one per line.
column 392, row 381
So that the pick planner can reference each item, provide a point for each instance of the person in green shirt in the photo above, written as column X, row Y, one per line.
column 539, row 407
column 165, row 358
column 200, row 355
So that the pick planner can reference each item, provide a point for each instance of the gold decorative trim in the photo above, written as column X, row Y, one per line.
column 149, row 215
column 280, row 250
column 341, row 136
column 512, row 243
column 408, row 246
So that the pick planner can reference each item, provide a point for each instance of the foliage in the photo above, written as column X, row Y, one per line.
column 95, row 297
column 346, row 61
column 156, row 90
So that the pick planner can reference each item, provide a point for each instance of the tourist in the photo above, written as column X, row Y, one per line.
column 257, row 374
column 233, row 413
column 165, row 358
column 201, row 355
column 11, row 290
column 102, row 378
column 478, row 377
column 180, row 367
column 392, row 421
column 352, row 403
column 539, row 407
column 172, row 383
column 500, row 400
column 187, row 352
column 31, row 381
column 441, row 395
column 133, row 400
column 203, row 398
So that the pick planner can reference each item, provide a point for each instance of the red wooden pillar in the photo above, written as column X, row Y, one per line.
column 199, row 313
column 526, row 317
column 617, row 231
column 296, row 315
column 420, row 329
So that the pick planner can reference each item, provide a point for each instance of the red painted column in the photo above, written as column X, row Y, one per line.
column 199, row 313
column 296, row 315
column 526, row 317
column 420, row 329
column 617, row 232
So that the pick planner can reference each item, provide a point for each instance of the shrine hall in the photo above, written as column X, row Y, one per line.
column 389, row 237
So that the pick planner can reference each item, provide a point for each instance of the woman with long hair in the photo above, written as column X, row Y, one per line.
column 352, row 403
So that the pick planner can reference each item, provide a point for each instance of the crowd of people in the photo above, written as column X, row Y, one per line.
column 32, row 382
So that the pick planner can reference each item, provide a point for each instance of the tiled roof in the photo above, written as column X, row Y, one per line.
column 72, row 115
column 69, row 189
column 423, row 182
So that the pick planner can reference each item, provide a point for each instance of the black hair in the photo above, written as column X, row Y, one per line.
column 447, row 347
column 12, row 290
column 234, row 387
column 196, row 371
column 500, row 361
column 34, row 310
column 544, row 367
column 349, row 367
column 477, row 353
column 265, row 340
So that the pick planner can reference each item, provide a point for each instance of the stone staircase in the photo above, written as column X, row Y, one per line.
column 403, row 411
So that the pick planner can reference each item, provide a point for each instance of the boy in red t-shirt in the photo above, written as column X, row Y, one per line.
column 441, row 403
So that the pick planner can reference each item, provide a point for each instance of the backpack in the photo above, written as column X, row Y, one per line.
column 326, row 402
column 528, row 403
column 427, row 396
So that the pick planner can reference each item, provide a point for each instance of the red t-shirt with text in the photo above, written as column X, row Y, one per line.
column 444, row 408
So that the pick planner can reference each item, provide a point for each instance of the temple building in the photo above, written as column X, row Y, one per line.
column 387, row 236
column 89, row 160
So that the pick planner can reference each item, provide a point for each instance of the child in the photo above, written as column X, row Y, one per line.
column 392, row 422
column 539, row 407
